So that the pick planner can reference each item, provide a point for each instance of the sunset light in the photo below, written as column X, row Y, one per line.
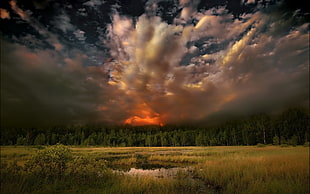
column 144, row 115
column 154, row 96
column 152, row 62
column 139, row 121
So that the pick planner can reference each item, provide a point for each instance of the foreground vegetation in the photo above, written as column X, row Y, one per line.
column 228, row 169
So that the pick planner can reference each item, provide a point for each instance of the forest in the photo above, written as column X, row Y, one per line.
column 291, row 127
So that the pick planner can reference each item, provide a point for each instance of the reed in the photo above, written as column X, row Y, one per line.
column 235, row 169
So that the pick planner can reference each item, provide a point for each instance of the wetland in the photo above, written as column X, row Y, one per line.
column 221, row 169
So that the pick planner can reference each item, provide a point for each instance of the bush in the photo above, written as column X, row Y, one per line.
column 84, row 170
column 83, row 165
column 260, row 145
column 55, row 169
column 50, row 162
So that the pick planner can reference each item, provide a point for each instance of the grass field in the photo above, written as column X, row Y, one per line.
column 244, row 169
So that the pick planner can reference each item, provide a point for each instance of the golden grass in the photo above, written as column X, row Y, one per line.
column 20, row 154
column 284, row 172
column 125, row 161
column 225, row 169
column 176, row 158
column 233, row 169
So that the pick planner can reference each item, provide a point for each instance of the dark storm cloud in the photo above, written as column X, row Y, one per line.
column 181, row 61
column 39, row 87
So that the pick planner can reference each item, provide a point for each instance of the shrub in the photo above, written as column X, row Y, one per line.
column 83, row 165
column 84, row 169
column 50, row 162
column 260, row 145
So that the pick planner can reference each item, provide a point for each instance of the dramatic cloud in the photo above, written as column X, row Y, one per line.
column 250, row 74
column 146, row 68
column 40, row 86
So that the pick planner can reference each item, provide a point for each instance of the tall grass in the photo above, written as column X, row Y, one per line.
column 177, row 158
column 247, row 169
column 258, row 173
column 16, row 153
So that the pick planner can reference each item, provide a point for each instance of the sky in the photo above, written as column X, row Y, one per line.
column 151, row 62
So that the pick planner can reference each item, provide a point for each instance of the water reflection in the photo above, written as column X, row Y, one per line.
column 142, row 166
column 159, row 173
column 145, row 166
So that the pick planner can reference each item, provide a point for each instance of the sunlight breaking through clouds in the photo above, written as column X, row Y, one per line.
column 156, row 63
column 147, row 65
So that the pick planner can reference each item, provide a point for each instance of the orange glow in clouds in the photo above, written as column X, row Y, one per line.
column 138, row 121
column 143, row 115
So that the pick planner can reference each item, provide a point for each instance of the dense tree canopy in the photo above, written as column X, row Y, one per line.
column 290, row 127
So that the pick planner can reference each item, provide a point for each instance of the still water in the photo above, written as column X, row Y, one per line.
column 159, row 173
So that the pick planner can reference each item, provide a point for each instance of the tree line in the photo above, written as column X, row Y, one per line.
column 289, row 127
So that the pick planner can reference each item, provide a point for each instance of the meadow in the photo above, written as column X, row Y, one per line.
column 220, row 169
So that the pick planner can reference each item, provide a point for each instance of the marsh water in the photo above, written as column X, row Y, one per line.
column 143, row 167
column 159, row 172
column 163, row 170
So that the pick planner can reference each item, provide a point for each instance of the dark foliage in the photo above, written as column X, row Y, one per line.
column 290, row 127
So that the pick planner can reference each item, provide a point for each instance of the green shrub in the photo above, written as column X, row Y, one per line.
column 84, row 165
column 86, row 170
column 260, row 145
column 50, row 162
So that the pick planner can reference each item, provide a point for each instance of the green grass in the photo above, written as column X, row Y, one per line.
column 231, row 169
